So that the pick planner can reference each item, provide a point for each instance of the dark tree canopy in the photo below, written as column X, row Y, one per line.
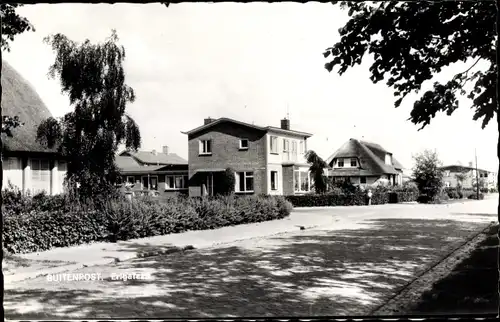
column 411, row 41
column 317, row 167
column 93, row 77
column 12, row 24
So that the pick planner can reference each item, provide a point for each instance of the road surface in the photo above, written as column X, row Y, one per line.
column 348, row 267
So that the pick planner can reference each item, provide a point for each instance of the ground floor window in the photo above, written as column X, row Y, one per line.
column 362, row 180
column 244, row 182
column 150, row 182
column 302, row 181
column 274, row 180
column 130, row 180
column 40, row 175
column 173, row 182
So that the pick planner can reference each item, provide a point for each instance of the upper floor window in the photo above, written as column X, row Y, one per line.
column 388, row 159
column 354, row 162
column 302, row 147
column 294, row 147
column 205, row 146
column 286, row 146
column 274, row 144
column 244, row 144
column 340, row 163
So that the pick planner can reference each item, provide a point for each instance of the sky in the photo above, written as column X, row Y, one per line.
column 253, row 62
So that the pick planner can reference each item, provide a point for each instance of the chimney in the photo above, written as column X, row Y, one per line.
column 165, row 149
column 208, row 120
column 285, row 124
column 154, row 152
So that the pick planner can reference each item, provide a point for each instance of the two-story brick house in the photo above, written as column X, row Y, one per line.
column 455, row 174
column 266, row 160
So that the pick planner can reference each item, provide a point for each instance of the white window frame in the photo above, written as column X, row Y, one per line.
column 184, row 181
column 338, row 163
column 149, row 182
column 286, row 145
column 33, row 172
column 300, row 179
column 275, row 180
column 294, row 147
column 241, row 144
column 355, row 162
column 302, row 147
column 246, row 175
column 273, row 147
column 203, row 147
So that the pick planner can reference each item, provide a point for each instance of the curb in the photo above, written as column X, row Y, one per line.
column 9, row 279
column 408, row 295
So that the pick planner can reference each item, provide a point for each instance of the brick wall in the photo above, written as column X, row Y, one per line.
column 288, row 180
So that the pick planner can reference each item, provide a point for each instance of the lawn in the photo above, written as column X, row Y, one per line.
column 472, row 287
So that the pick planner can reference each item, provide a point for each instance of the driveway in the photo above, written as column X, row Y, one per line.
column 349, row 267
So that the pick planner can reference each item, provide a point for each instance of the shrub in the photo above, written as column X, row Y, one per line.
column 474, row 196
column 424, row 199
column 453, row 193
column 120, row 219
column 493, row 190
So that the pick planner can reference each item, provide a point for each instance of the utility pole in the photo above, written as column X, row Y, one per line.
column 477, row 176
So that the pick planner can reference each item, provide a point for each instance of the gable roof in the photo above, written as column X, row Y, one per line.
column 259, row 128
column 19, row 98
column 370, row 159
column 158, row 158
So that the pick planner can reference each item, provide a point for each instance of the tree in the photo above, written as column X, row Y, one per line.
column 428, row 176
column 413, row 40
column 12, row 25
column 461, row 177
column 93, row 77
column 227, row 182
column 317, row 170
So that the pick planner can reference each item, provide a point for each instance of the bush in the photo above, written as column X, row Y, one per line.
column 474, row 196
column 493, row 190
column 453, row 193
column 120, row 219
column 424, row 199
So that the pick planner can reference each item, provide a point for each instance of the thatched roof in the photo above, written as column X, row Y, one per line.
column 19, row 98
column 371, row 158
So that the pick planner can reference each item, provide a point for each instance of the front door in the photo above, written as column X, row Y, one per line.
column 153, row 183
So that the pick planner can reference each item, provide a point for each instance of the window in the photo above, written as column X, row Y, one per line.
column 274, row 144
column 353, row 162
column 302, row 147
column 244, row 182
column 130, row 180
column 274, row 180
column 243, row 144
column 206, row 147
column 175, row 182
column 286, row 145
column 294, row 147
column 362, row 180
column 302, row 181
column 150, row 182
column 340, row 163
column 40, row 175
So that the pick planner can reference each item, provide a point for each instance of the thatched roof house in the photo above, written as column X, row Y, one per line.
column 27, row 164
column 364, row 163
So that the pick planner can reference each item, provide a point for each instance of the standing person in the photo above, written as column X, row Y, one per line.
column 369, row 197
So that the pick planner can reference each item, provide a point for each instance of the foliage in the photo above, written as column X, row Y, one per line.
column 317, row 169
column 474, row 196
column 358, row 198
column 428, row 176
column 94, row 78
column 39, row 228
column 461, row 177
column 12, row 24
column 227, row 182
column 454, row 31
column 482, row 184
column 9, row 123
column 453, row 193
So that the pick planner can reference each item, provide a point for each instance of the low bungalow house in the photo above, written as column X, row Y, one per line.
column 364, row 163
column 27, row 164
column 164, row 172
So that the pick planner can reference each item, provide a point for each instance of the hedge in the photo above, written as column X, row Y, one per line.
column 122, row 220
column 354, row 199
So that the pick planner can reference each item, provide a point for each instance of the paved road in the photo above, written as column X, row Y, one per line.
column 350, row 266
